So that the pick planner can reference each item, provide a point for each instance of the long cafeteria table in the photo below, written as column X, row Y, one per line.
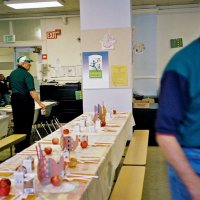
column 7, row 110
column 98, row 161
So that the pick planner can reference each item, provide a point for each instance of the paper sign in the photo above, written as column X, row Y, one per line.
column 119, row 75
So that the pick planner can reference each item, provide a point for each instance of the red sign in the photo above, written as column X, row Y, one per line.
column 53, row 34
column 44, row 56
column 58, row 31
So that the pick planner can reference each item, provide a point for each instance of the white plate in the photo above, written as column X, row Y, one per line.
column 64, row 187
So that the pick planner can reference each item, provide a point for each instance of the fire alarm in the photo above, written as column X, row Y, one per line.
column 44, row 56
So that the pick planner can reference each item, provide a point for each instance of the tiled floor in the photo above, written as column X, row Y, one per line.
column 155, row 183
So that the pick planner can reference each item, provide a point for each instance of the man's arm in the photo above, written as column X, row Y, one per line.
column 175, row 156
column 34, row 95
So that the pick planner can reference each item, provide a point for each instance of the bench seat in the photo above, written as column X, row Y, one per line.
column 129, row 184
column 11, row 140
column 137, row 149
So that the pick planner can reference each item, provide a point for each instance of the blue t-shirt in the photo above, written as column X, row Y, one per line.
column 179, row 99
column 21, row 81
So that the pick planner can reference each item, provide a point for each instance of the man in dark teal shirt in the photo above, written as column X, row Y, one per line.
column 22, row 100
column 178, row 121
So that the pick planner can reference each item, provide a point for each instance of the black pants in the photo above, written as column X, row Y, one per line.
column 23, row 113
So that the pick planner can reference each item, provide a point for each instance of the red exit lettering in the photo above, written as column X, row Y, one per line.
column 51, row 35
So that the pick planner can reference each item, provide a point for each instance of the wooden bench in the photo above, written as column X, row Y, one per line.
column 129, row 184
column 11, row 140
column 137, row 149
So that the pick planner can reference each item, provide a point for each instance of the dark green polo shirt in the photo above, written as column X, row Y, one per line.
column 21, row 81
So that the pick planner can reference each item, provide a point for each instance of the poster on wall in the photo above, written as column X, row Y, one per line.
column 119, row 75
column 95, row 66
column 95, row 69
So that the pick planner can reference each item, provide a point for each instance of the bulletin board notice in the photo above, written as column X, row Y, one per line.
column 119, row 74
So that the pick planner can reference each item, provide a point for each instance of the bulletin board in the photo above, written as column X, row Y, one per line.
column 117, row 45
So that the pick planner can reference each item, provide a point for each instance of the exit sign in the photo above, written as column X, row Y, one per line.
column 9, row 38
column 53, row 34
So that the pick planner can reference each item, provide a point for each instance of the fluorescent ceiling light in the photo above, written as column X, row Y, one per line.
column 26, row 4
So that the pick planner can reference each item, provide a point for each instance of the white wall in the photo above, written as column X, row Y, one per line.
column 145, row 71
column 171, row 24
column 110, row 14
column 66, row 47
column 63, row 51
column 184, row 25
column 6, row 61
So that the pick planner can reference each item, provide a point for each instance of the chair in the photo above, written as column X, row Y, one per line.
column 35, row 119
column 47, row 121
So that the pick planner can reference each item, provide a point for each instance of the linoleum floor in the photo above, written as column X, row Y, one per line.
column 156, row 185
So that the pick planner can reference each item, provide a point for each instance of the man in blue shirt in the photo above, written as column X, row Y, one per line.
column 22, row 100
column 178, row 121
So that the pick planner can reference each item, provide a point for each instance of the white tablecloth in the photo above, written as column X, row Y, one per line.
column 114, row 136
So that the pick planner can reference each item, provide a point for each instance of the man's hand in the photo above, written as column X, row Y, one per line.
column 42, row 106
column 176, row 157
